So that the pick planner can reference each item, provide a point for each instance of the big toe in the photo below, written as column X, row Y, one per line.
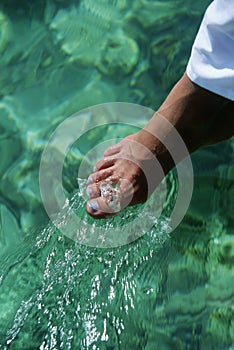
column 99, row 209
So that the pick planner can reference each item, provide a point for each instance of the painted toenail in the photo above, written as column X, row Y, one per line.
column 89, row 191
column 93, row 206
column 90, row 180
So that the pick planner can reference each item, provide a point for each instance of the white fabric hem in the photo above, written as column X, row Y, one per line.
column 211, row 85
column 211, row 64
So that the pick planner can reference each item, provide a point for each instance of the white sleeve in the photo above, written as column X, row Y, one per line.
column 211, row 64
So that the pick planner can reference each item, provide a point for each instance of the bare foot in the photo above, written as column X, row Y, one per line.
column 126, row 175
column 130, row 171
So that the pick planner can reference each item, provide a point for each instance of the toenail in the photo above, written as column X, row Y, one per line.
column 95, row 169
column 89, row 191
column 90, row 180
column 93, row 206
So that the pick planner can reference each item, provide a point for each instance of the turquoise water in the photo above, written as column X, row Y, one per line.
column 160, row 292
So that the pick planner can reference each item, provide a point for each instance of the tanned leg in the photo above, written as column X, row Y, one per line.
column 201, row 118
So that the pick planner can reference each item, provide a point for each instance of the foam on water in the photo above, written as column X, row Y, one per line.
column 78, row 295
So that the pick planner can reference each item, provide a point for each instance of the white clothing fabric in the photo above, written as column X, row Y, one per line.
column 211, row 64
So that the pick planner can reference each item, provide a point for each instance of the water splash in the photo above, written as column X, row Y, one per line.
column 67, row 295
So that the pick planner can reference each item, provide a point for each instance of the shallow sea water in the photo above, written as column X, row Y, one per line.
column 160, row 292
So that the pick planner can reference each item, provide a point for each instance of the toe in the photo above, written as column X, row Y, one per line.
column 100, row 175
column 98, row 208
column 112, row 150
column 101, row 206
column 93, row 191
column 105, row 162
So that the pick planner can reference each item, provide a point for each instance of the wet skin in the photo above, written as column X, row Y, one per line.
column 201, row 118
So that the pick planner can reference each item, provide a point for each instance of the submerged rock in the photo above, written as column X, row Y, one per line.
column 20, row 183
column 186, row 274
column 32, row 221
column 217, row 333
column 95, row 92
column 5, row 31
column 10, row 140
column 151, row 13
column 220, row 286
column 226, row 250
column 22, row 62
column 81, row 30
column 9, row 228
column 119, row 55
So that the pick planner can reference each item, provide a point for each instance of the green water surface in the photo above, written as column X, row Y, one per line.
column 160, row 292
